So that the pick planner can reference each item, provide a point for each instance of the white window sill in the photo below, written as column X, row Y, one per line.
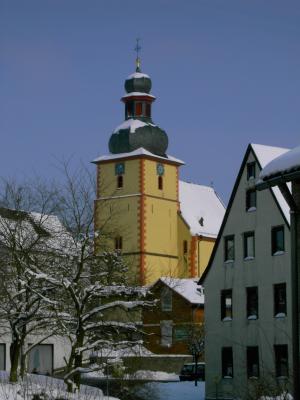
column 280, row 315
column 227, row 377
column 278, row 253
column 251, row 209
column 226, row 319
column 249, row 258
column 253, row 377
column 252, row 317
column 229, row 262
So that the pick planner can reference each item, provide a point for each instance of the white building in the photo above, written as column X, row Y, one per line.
column 247, row 288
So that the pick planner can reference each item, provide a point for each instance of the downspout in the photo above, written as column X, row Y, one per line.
column 295, row 275
column 293, row 201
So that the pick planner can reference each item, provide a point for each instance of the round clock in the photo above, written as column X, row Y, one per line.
column 160, row 169
column 120, row 169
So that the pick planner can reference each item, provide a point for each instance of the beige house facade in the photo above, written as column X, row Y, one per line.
column 247, row 288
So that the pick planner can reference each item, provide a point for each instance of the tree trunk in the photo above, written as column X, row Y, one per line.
column 23, row 363
column 15, row 350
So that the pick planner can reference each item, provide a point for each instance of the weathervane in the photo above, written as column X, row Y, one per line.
column 137, row 49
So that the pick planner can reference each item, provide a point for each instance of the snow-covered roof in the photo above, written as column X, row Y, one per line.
column 187, row 288
column 137, row 75
column 46, row 231
column 132, row 124
column 201, row 208
column 138, row 152
column 288, row 161
column 265, row 154
column 141, row 94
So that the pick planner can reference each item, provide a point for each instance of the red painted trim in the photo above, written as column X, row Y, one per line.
column 193, row 256
column 136, row 97
column 142, row 221
column 177, row 189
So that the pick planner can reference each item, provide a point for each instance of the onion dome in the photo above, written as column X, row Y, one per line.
column 138, row 82
column 138, row 129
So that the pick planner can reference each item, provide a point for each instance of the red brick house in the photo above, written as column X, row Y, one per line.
column 177, row 318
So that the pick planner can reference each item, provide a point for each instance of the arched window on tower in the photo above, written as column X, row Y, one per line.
column 119, row 243
column 148, row 110
column 138, row 109
column 160, row 183
column 119, row 181
column 129, row 109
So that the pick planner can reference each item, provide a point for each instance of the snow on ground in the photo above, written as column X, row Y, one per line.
column 158, row 376
column 54, row 388
column 132, row 351
column 141, row 375
column 172, row 390
column 284, row 396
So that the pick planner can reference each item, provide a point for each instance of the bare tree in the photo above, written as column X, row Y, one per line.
column 27, row 245
column 93, row 291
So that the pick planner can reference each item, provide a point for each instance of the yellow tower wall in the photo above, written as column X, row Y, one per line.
column 205, row 248
column 144, row 215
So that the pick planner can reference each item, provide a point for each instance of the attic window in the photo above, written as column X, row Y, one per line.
column 201, row 221
column 250, row 171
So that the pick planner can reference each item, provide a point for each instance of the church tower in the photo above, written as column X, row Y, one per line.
column 137, row 189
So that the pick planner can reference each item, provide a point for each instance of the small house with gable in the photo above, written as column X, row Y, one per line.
column 177, row 318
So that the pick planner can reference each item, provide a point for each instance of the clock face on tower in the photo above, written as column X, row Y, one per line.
column 120, row 168
column 160, row 169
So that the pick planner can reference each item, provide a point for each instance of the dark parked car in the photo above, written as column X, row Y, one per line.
column 189, row 373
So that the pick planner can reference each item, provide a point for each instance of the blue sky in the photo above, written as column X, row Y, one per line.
column 225, row 73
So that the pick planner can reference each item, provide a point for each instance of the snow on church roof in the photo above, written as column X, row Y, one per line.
column 138, row 152
column 187, row 288
column 265, row 154
column 137, row 75
column 201, row 209
column 132, row 124
column 287, row 162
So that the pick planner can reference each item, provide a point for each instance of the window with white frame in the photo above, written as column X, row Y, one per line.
column 226, row 305
column 277, row 240
column 166, row 299
column 249, row 246
column 279, row 300
column 252, row 362
column 281, row 360
column 227, row 362
column 229, row 248
column 166, row 333
column 252, row 302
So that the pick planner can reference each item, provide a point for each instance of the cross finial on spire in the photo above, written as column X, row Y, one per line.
column 138, row 60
